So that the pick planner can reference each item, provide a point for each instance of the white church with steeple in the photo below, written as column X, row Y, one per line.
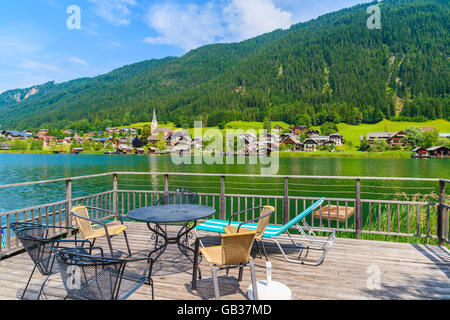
column 154, row 125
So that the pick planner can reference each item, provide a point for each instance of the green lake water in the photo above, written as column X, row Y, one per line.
column 15, row 168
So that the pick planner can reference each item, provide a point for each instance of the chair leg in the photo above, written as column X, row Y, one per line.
column 28, row 282
column 241, row 271
column 216, row 282
column 259, row 250
column 254, row 284
column 126, row 241
column 264, row 249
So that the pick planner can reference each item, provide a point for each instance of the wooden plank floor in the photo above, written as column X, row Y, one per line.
column 405, row 272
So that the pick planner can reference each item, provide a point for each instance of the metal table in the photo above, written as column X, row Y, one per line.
column 172, row 213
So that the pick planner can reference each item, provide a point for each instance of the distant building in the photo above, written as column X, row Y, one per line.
column 4, row 146
column 427, row 128
column 438, row 151
column 444, row 135
column 391, row 138
column 298, row 130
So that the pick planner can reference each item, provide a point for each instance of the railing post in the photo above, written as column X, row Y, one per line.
column 358, row 210
column 115, row 194
column 285, row 201
column 440, row 213
column 222, row 198
column 69, row 205
column 166, row 183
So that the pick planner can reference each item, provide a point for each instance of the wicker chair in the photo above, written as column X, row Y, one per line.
column 97, row 277
column 178, row 196
column 35, row 239
column 108, row 230
column 263, row 222
column 234, row 251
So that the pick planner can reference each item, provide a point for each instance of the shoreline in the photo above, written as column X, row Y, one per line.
column 295, row 154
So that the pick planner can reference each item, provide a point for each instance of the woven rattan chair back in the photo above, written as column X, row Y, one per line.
column 264, row 222
column 85, row 226
column 236, row 247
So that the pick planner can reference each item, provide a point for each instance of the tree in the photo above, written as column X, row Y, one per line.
column 37, row 144
column 328, row 128
column 430, row 138
column 379, row 145
column 414, row 137
column 304, row 119
column 146, row 132
column 364, row 145
column 266, row 125
column 443, row 142
column 161, row 145
column 137, row 143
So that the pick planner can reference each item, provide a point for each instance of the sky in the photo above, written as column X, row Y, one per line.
column 49, row 40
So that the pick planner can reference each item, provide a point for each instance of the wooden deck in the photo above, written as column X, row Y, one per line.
column 405, row 271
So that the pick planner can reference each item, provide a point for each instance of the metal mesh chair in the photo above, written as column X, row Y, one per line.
column 178, row 196
column 234, row 251
column 96, row 277
column 35, row 239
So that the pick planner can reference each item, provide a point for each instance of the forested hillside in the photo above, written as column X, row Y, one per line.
column 333, row 68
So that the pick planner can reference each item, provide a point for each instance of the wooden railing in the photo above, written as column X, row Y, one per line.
column 361, row 215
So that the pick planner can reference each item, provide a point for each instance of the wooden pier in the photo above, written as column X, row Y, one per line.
column 353, row 269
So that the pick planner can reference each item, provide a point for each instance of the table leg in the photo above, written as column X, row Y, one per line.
column 184, row 232
column 159, row 232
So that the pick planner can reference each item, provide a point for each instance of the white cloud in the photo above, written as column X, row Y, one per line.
column 35, row 65
column 190, row 25
column 115, row 11
column 78, row 61
column 185, row 25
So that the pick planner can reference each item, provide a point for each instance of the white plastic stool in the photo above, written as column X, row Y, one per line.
column 270, row 290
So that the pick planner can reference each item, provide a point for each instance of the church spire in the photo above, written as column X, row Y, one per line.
column 154, row 122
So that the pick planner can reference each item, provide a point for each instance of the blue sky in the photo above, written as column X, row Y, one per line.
column 36, row 46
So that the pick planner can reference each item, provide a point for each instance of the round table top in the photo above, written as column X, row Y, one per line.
column 171, row 213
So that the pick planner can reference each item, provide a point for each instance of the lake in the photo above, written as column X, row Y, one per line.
column 15, row 168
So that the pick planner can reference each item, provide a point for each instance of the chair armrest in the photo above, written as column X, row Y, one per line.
column 108, row 211
column 89, row 219
column 243, row 211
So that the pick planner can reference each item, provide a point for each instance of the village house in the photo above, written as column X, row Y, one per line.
column 42, row 132
column 292, row 140
column 391, row 138
column 4, row 146
column 312, row 131
column 420, row 152
column 336, row 138
column 310, row 145
column 438, row 151
column 13, row 135
column 278, row 128
column 298, row 130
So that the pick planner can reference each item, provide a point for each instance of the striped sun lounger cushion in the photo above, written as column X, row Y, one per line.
column 214, row 225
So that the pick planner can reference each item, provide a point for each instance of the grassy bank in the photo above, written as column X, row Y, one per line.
column 348, row 154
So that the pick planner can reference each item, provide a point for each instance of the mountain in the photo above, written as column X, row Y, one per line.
column 332, row 68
